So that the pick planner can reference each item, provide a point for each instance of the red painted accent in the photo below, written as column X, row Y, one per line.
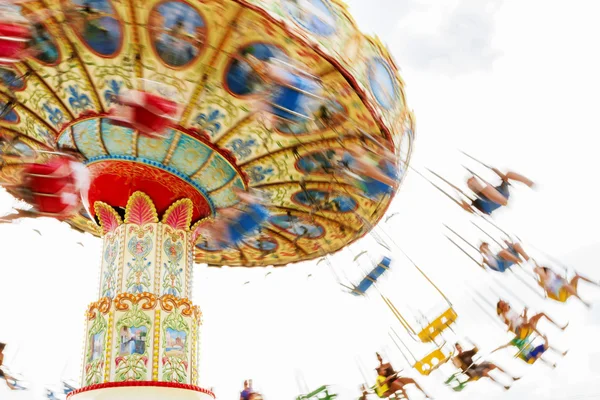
column 114, row 181
column 169, row 385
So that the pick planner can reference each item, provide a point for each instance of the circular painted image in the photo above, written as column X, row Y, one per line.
column 177, row 32
column 11, row 79
column 46, row 49
column 382, row 83
column 329, row 114
column 297, row 226
column 8, row 114
column 318, row 162
column 325, row 200
column 96, row 23
column 240, row 78
column 261, row 244
column 316, row 16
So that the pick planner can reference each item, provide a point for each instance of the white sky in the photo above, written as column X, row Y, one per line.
column 514, row 83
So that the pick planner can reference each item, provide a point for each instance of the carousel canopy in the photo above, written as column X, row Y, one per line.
column 193, row 52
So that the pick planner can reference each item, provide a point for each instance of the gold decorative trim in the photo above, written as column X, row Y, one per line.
column 156, row 347
column 146, row 300
column 109, row 345
column 158, row 260
column 102, row 305
column 172, row 148
column 169, row 303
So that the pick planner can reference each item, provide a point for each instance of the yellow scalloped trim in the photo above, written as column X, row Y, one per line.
column 100, row 207
column 196, row 225
column 148, row 200
column 190, row 211
column 94, row 229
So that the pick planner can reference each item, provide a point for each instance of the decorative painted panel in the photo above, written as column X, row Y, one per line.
column 189, row 155
column 118, row 140
column 88, row 138
column 111, row 270
column 155, row 149
column 141, row 337
column 140, row 255
column 173, row 262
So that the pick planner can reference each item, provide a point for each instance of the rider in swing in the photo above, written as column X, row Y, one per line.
column 388, row 382
column 490, row 198
column 505, row 258
column 464, row 361
column 521, row 325
column 8, row 379
column 235, row 223
column 530, row 353
column 559, row 288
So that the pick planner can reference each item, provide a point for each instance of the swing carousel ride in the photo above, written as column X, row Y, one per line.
column 224, row 132
column 246, row 133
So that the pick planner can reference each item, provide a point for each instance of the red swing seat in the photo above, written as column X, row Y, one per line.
column 53, row 188
column 14, row 39
column 147, row 113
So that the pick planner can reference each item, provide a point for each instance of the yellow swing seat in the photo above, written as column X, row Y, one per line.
column 437, row 326
column 431, row 362
column 563, row 295
column 524, row 332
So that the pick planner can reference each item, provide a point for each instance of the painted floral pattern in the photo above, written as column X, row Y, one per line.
column 138, row 276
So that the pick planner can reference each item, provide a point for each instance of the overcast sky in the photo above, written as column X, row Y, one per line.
column 514, row 83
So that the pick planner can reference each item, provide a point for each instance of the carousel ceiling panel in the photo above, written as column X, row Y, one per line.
column 30, row 91
column 103, row 37
column 58, row 64
column 293, row 164
column 179, row 41
column 327, row 26
column 21, row 119
column 229, row 96
column 194, row 52
column 251, row 141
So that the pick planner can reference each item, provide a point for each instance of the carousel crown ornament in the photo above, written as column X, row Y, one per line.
column 180, row 110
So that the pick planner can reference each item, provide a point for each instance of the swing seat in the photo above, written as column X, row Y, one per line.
column 563, row 295
column 14, row 39
column 431, row 362
column 371, row 278
column 460, row 384
column 147, row 113
column 524, row 332
column 523, row 357
column 437, row 326
column 53, row 187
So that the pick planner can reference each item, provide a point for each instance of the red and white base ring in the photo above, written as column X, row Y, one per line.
column 141, row 391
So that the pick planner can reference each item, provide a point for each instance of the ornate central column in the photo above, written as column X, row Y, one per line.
column 143, row 331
